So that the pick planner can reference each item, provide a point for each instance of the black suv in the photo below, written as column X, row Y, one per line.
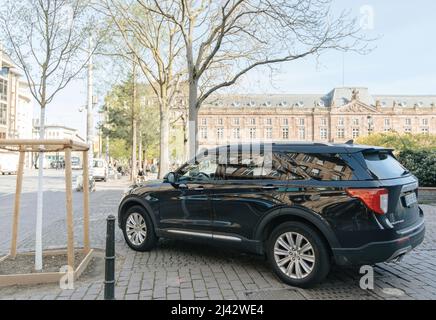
column 304, row 206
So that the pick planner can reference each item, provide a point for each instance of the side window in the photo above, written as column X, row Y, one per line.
column 322, row 166
column 279, row 166
column 244, row 166
column 266, row 166
column 204, row 169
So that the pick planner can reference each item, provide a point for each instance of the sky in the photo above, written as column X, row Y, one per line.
column 403, row 61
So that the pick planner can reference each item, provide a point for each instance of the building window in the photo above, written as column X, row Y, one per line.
column 408, row 130
column 323, row 133
column 236, row 133
column 424, row 122
column 355, row 121
column 220, row 133
column 220, row 121
column 203, row 121
column 408, row 122
column 3, row 113
column 323, row 121
column 387, row 122
column 341, row 133
column 285, row 133
column 3, row 90
column 301, row 121
column 341, row 121
column 269, row 121
column 355, row 133
column 252, row 121
column 301, row 133
column 252, row 133
column 285, row 122
column 268, row 133
column 236, row 121
column 424, row 130
column 203, row 133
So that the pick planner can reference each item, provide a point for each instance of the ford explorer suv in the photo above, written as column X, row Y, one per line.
column 304, row 206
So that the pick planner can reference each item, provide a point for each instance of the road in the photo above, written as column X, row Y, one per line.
column 184, row 270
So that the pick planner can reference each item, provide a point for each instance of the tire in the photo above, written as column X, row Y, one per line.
column 304, row 273
column 144, row 239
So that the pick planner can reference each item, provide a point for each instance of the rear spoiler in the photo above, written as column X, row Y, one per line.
column 369, row 149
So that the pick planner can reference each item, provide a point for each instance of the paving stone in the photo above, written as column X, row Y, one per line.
column 183, row 270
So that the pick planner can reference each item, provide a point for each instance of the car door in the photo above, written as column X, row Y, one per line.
column 185, row 205
column 252, row 187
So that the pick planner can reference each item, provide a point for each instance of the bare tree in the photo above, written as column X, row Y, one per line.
column 45, row 38
column 229, row 38
column 156, row 44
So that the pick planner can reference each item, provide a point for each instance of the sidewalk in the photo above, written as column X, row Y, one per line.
column 185, row 270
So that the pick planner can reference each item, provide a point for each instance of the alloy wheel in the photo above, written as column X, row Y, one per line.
column 294, row 255
column 136, row 228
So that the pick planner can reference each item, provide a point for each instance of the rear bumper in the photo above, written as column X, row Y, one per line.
column 375, row 252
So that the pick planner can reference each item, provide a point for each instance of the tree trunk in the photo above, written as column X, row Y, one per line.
column 140, row 151
column 185, row 139
column 164, row 161
column 193, row 118
column 134, row 172
column 39, row 201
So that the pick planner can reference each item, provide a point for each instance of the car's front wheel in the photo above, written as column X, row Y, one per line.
column 138, row 229
column 298, row 255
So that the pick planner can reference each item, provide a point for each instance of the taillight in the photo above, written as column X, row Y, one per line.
column 374, row 199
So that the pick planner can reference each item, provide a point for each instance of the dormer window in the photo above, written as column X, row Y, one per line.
column 235, row 104
column 267, row 104
column 320, row 103
column 252, row 104
column 283, row 104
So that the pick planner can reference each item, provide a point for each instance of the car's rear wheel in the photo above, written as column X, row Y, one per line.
column 298, row 255
column 138, row 229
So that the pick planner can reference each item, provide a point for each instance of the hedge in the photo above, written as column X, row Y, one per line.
column 422, row 163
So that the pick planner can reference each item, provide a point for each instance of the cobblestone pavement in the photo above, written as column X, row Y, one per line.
column 185, row 270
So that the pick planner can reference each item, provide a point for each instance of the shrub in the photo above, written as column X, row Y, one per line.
column 422, row 163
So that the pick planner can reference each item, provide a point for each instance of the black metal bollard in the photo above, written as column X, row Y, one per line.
column 109, row 273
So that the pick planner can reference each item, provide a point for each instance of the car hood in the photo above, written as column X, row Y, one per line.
column 142, row 187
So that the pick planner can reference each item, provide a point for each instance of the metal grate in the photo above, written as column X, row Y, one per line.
column 279, row 294
column 338, row 293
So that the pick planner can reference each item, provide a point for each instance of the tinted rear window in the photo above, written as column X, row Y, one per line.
column 384, row 165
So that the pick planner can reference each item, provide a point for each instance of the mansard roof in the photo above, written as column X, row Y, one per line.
column 335, row 98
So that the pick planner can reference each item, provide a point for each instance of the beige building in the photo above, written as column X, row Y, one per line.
column 341, row 115
column 16, row 106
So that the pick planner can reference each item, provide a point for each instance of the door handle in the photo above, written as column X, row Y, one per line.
column 269, row 187
column 200, row 188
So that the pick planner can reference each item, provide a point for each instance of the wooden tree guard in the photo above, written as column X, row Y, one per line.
column 67, row 146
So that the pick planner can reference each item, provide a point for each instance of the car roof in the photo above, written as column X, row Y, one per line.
column 308, row 147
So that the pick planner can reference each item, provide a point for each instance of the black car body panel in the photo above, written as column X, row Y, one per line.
column 239, row 212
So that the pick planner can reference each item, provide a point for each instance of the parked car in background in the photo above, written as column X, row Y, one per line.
column 100, row 169
column 302, row 205
column 8, row 163
column 76, row 164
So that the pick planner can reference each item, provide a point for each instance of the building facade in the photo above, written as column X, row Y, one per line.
column 340, row 115
column 16, row 106
column 57, row 132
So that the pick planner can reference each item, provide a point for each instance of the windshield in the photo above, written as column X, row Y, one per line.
column 384, row 165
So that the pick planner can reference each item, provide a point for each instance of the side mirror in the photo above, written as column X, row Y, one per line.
column 171, row 177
